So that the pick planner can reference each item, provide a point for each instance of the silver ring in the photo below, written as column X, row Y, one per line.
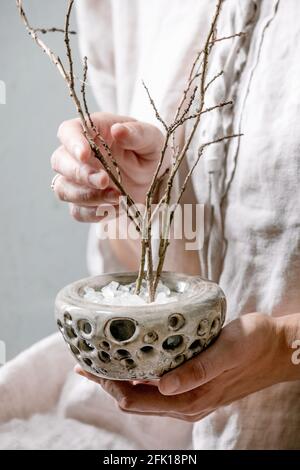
column 55, row 178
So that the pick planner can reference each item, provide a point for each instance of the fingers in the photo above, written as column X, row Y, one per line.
column 140, row 137
column 130, row 134
column 82, row 195
column 80, row 173
column 78, row 370
column 94, row 378
column 71, row 136
column 85, row 214
column 146, row 400
column 153, row 383
column 209, row 364
column 169, row 414
column 143, row 398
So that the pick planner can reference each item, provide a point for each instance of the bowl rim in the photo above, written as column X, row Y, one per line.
column 70, row 294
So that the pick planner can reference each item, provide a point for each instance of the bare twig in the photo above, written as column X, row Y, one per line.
column 52, row 30
column 158, row 116
column 131, row 209
column 200, row 153
column 204, row 67
column 164, row 241
column 192, row 77
column 192, row 106
column 54, row 58
column 97, row 134
column 68, row 46
column 199, row 113
column 83, row 93
column 232, row 36
column 219, row 74
column 186, row 110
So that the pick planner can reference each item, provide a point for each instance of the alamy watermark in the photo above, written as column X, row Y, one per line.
column 187, row 223
column 2, row 353
column 296, row 353
column 2, row 92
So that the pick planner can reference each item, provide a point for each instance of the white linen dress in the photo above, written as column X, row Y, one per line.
column 253, row 248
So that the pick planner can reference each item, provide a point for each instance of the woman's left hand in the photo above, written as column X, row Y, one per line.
column 251, row 353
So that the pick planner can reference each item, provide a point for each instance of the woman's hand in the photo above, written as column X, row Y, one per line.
column 135, row 145
column 252, row 353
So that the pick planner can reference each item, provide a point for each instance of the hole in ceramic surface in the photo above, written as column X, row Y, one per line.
column 59, row 324
column 74, row 350
column 122, row 329
column 215, row 326
column 147, row 349
column 104, row 356
column 85, row 327
column 172, row 343
column 195, row 345
column 179, row 359
column 146, row 352
column 176, row 321
column 69, row 332
column 101, row 371
column 105, row 345
column 85, row 346
column 121, row 353
column 203, row 327
column 67, row 318
column 129, row 363
column 150, row 337
column 88, row 361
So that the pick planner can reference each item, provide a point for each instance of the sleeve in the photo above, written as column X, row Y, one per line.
column 32, row 382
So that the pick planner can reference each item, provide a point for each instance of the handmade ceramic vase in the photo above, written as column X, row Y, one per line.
column 144, row 341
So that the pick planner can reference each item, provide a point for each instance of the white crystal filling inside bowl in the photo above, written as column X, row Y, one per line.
column 115, row 293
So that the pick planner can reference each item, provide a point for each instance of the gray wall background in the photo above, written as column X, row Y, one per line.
column 41, row 248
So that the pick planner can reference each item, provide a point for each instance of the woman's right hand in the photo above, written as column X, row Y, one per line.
column 83, row 182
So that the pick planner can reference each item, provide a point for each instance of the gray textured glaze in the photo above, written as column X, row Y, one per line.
column 144, row 341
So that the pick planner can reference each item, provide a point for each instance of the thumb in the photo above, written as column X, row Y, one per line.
column 140, row 137
column 203, row 368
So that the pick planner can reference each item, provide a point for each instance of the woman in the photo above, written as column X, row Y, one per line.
column 243, row 392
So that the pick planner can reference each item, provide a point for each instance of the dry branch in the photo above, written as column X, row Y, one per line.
column 52, row 30
column 82, row 109
column 191, row 107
